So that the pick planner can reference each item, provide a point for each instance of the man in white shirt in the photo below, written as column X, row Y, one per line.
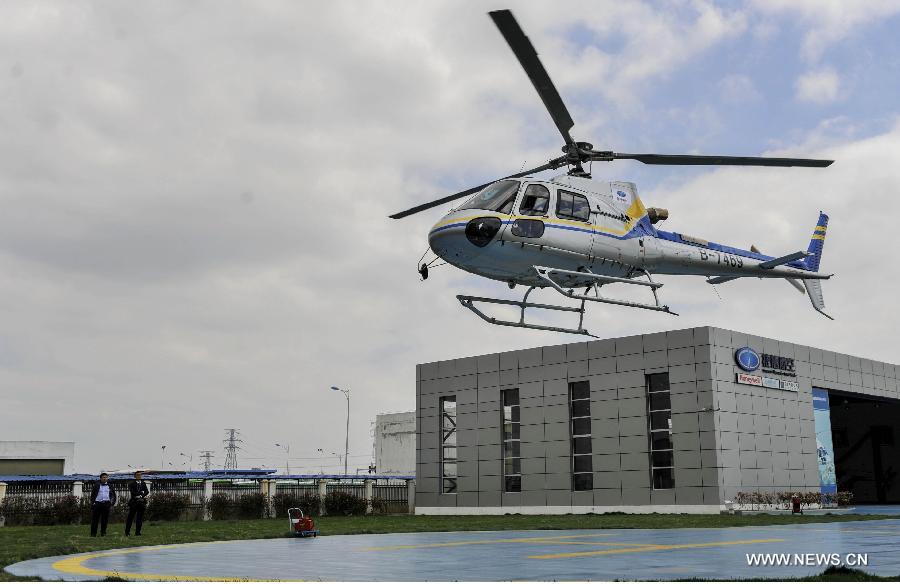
column 103, row 497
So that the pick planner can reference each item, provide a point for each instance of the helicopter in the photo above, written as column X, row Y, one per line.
column 572, row 232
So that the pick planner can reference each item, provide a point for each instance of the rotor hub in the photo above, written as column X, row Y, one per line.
column 577, row 151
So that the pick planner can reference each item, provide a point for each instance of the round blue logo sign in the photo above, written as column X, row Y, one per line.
column 747, row 359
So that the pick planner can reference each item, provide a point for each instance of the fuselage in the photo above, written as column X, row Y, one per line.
column 579, row 224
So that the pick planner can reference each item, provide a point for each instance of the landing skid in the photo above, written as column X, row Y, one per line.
column 596, row 280
column 469, row 302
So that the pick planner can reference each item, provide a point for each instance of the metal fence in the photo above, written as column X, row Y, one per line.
column 39, row 490
column 297, row 488
column 193, row 490
column 391, row 498
column 234, row 490
column 358, row 490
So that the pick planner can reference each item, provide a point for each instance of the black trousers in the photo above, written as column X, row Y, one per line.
column 99, row 514
column 136, row 516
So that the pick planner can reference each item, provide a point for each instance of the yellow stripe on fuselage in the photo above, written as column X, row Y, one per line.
column 821, row 228
column 819, row 236
column 550, row 221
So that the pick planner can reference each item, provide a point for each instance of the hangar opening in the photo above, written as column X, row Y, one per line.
column 866, row 437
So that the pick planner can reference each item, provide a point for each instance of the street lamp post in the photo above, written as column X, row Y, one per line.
column 287, row 453
column 346, row 393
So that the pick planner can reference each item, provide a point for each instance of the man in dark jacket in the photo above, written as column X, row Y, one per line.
column 137, row 504
column 103, row 497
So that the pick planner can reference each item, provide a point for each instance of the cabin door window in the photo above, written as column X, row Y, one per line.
column 535, row 201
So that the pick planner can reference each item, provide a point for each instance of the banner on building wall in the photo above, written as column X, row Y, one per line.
column 824, row 447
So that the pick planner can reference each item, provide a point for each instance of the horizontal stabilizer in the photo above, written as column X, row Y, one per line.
column 792, row 281
column 796, row 284
column 721, row 279
column 797, row 255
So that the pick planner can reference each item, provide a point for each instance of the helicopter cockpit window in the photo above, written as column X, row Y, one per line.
column 572, row 206
column 536, row 200
column 498, row 196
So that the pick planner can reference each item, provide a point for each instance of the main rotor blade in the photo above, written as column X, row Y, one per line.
column 528, row 58
column 555, row 163
column 689, row 159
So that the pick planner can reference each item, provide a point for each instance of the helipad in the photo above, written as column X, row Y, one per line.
column 521, row 555
column 638, row 554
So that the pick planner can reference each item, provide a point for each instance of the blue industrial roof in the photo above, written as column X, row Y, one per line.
column 196, row 475
column 148, row 474
column 340, row 476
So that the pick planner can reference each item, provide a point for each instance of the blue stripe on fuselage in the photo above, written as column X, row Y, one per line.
column 676, row 237
column 637, row 231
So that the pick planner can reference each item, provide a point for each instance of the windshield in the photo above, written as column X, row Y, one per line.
column 498, row 196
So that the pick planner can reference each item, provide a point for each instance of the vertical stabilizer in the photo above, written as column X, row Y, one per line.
column 817, row 243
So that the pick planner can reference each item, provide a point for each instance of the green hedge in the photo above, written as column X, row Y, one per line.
column 219, row 506
column 166, row 506
column 162, row 506
column 783, row 499
column 338, row 503
column 247, row 506
column 64, row 510
column 308, row 502
column 67, row 509
column 252, row 506
column 18, row 510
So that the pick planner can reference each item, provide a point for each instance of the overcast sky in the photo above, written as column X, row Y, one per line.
column 193, row 197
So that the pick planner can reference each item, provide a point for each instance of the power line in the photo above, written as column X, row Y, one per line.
column 325, row 457
column 231, row 448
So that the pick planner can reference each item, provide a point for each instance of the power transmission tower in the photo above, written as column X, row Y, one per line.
column 206, row 455
column 231, row 447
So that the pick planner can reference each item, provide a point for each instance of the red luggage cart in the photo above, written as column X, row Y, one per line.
column 301, row 525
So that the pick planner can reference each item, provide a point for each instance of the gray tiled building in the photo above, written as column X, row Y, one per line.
column 673, row 421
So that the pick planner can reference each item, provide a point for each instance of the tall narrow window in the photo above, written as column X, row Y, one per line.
column 448, row 445
column 535, row 201
column 512, row 454
column 659, row 408
column 580, row 414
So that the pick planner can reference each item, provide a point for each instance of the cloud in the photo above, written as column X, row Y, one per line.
column 819, row 87
column 649, row 43
column 738, row 89
column 828, row 21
